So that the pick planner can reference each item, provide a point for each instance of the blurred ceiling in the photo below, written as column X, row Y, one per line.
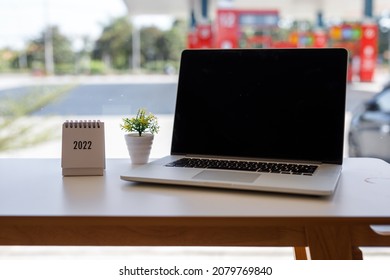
column 297, row 9
column 157, row 7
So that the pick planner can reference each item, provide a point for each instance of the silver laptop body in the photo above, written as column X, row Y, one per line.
column 256, row 119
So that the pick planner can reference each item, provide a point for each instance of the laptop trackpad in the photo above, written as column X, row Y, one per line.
column 242, row 177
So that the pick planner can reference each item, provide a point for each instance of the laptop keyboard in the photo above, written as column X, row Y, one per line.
column 255, row 166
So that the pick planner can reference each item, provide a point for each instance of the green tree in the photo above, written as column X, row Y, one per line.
column 7, row 58
column 165, row 45
column 63, row 55
column 114, row 45
column 162, row 49
column 173, row 41
column 158, row 47
column 150, row 46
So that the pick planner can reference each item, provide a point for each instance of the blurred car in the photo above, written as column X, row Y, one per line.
column 369, row 134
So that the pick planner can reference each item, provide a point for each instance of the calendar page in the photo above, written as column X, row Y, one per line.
column 83, row 148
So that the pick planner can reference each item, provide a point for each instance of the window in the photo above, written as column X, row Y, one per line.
column 62, row 60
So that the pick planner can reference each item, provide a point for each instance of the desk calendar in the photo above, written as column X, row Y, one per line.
column 83, row 148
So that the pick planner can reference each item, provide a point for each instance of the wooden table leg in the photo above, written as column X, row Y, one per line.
column 301, row 253
column 357, row 253
column 329, row 242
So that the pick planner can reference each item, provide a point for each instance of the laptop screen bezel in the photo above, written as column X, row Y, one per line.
column 191, row 59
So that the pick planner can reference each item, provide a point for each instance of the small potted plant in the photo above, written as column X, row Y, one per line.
column 139, row 139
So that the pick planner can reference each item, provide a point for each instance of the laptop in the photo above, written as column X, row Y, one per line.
column 256, row 119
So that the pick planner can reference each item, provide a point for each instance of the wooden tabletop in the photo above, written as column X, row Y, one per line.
column 40, row 207
column 35, row 187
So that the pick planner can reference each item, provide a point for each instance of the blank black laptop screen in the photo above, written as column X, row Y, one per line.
column 265, row 103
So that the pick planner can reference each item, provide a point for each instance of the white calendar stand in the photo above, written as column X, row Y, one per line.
column 83, row 148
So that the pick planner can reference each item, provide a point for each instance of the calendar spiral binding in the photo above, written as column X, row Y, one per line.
column 83, row 124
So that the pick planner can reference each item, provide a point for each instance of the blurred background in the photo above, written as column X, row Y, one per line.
column 52, row 37
column 104, row 59
column 65, row 60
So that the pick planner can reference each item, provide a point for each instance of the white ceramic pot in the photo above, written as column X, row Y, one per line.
column 139, row 147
